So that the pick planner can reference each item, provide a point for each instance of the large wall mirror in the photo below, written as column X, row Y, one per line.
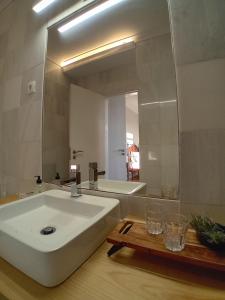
column 110, row 97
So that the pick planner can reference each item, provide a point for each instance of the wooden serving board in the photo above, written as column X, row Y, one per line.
column 193, row 253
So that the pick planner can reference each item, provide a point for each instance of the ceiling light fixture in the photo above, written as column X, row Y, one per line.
column 90, row 13
column 41, row 5
column 96, row 51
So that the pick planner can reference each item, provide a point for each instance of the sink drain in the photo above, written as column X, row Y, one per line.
column 48, row 230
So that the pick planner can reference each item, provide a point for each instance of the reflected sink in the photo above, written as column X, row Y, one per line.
column 49, row 235
column 117, row 186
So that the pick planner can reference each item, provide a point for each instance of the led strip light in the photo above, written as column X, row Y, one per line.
column 90, row 13
column 96, row 51
column 41, row 5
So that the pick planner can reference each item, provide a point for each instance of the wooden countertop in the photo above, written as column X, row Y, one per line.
column 127, row 275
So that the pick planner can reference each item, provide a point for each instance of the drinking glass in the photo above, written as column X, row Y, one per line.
column 175, row 228
column 154, row 218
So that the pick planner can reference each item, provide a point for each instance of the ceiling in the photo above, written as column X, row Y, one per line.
column 106, row 63
column 139, row 18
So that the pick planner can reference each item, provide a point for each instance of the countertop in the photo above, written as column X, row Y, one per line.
column 127, row 275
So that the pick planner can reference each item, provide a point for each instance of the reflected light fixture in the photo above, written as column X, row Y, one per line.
column 73, row 167
column 158, row 102
column 96, row 51
column 41, row 5
column 90, row 13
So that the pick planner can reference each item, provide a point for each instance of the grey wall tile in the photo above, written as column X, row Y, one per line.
column 35, row 49
column 30, row 122
column 216, row 212
column 201, row 91
column 202, row 167
column 29, row 160
column 3, row 43
column 11, row 96
column 158, row 119
column 198, row 29
column 13, row 64
column 199, row 48
column 56, row 153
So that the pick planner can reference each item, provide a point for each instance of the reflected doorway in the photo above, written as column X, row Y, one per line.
column 122, row 138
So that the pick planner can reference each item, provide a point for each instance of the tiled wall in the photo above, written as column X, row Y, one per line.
column 158, row 116
column 1, row 179
column 23, row 37
column 55, row 137
column 21, row 59
column 198, row 32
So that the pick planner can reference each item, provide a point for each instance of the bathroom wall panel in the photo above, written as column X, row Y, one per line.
column 23, row 39
column 201, row 93
column 203, row 166
column 10, row 149
column 198, row 29
column 198, row 34
column 158, row 117
column 56, row 153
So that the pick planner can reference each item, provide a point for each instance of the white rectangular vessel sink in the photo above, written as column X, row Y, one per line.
column 49, row 235
column 116, row 186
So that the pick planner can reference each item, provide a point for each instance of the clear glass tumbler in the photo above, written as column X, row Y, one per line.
column 175, row 228
column 154, row 218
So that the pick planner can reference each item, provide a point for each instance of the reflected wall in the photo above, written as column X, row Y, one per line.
column 158, row 116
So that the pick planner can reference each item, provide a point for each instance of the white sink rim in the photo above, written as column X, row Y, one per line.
column 106, row 203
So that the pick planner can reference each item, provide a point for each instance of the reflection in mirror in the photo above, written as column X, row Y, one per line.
column 110, row 97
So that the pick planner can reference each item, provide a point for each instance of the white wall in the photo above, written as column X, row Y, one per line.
column 87, row 128
column 132, row 120
column 116, row 165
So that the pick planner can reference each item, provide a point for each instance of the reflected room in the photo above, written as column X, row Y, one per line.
column 110, row 98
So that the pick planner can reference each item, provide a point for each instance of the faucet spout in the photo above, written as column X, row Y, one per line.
column 93, row 175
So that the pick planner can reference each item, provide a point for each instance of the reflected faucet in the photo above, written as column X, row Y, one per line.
column 93, row 175
column 75, row 191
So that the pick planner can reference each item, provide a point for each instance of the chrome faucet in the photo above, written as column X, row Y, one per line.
column 93, row 175
column 75, row 191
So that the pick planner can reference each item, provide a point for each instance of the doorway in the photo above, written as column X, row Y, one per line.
column 122, row 136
